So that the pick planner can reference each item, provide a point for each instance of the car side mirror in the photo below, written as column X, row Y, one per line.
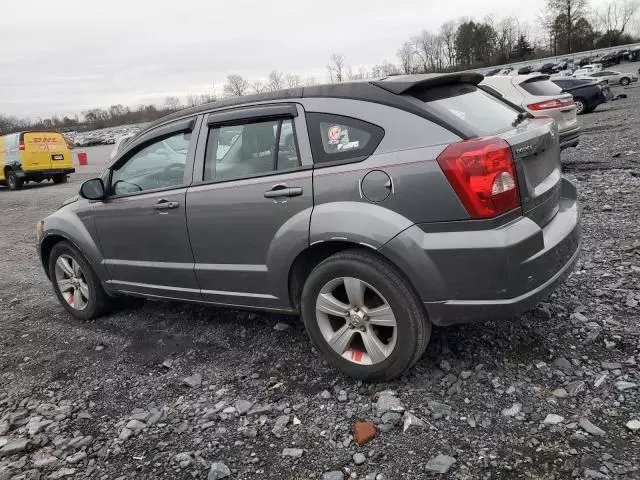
column 93, row 189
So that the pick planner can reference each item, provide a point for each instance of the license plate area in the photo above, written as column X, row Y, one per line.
column 57, row 156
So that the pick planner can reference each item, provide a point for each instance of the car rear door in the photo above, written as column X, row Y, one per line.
column 250, row 203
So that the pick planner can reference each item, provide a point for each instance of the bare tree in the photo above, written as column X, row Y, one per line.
column 507, row 31
column 310, row 81
column 276, row 81
column 236, row 86
column 448, row 34
column 429, row 50
column 406, row 55
column 384, row 70
column 258, row 87
column 292, row 81
column 336, row 68
column 570, row 11
column 615, row 16
column 172, row 103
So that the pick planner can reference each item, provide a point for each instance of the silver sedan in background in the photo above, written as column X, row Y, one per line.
column 614, row 78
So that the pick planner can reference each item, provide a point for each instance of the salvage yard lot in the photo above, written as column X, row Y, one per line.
column 484, row 392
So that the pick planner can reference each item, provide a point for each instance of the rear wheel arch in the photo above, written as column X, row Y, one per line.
column 315, row 254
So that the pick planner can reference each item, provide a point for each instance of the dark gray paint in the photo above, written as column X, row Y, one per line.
column 229, row 245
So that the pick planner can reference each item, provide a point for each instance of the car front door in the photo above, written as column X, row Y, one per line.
column 141, row 225
column 250, row 203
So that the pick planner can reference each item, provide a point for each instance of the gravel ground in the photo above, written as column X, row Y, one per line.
column 164, row 390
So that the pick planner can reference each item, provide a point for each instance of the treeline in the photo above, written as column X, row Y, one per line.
column 97, row 118
column 570, row 26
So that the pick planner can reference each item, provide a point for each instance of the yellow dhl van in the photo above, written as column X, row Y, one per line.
column 34, row 157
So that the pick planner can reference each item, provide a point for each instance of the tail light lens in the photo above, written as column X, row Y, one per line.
column 483, row 175
column 21, row 146
column 547, row 104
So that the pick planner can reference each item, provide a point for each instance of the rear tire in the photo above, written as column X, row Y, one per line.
column 13, row 182
column 624, row 81
column 76, row 285
column 379, row 339
column 581, row 106
column 59, row 178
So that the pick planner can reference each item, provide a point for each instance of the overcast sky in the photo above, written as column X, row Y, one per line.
column 66, row 56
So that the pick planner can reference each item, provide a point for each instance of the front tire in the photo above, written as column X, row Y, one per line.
column 363, row 315
column 13, row 182
column 624, row 81
column 76, row 285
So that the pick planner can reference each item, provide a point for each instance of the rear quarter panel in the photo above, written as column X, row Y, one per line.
column 419, row 191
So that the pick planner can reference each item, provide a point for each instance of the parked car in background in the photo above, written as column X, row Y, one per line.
column 34, row 157
column 390, row 205
column 542, row 98
column 587, row 92
column 547, row 68
column 615, row 78
column 634, row 54
column 525, row 70
column 609, row 59
column 492, row 72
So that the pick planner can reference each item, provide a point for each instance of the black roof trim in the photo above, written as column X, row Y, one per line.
column 403, row 83
column 385, row 91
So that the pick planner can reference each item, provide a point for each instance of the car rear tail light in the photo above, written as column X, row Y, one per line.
column 21, row 146
column 547, row 104
column 483, row 175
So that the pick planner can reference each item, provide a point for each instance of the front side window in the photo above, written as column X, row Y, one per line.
column 250, row 149
column 158, row 165
column 336, row 138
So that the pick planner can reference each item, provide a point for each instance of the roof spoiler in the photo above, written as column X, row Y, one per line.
column 404, row 83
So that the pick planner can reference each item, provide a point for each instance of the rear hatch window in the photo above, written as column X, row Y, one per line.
column 542, row 87
column 470, row 105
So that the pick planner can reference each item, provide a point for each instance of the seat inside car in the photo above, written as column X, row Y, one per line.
column 255, row 155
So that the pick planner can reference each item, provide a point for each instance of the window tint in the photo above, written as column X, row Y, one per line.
column 335, row 138
column 158, row 165
column 470, row 105
column 250, row 149
column 543, row 88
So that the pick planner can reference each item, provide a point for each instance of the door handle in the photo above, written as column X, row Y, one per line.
column 165, row 205
column 283, row 191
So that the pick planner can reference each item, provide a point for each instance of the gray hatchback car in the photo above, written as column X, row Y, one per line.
column 372, row 209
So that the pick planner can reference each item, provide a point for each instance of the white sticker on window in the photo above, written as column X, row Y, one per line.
column 334, row 134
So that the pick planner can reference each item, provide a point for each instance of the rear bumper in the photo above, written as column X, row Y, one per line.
column 570, row 138
column 40, row 174
column 495, row 273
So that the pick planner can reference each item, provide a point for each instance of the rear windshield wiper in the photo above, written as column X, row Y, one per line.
column 522, row 116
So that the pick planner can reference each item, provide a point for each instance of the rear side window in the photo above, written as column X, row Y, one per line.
column 542, row 87
column 335, row 138
column 470, row 105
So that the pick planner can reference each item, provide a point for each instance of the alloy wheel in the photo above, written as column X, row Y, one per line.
column 356, row 321
column 579, row 107
column 71, row 282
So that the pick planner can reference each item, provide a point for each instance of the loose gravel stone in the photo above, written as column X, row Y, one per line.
column 359, row 458
column 388, row 402
column 218, row 471
column 513, row 410
column 553, row 419
column 589, row 427
column 335, row 475
column 193, row 381
column 623, row 386
column 633, row 425
column 292, row 452
column 440, row 464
